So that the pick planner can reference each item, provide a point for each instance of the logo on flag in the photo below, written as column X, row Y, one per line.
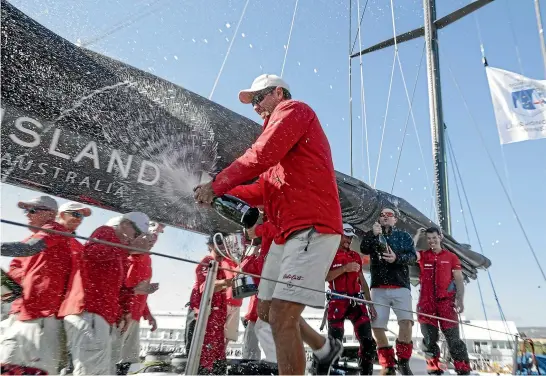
column 520, row 105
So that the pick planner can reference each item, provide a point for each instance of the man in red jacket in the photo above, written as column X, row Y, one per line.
column 292, row 157
column 213, row 352
column 33, row 339
column 442, row 294
column 231, row 330
column 71, row 215
column 92, row 306
column 139, row 276
column 346, row 277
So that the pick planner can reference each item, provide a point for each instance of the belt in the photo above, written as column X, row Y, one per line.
column 329, row 295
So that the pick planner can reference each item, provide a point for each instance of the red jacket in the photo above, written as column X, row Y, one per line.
column 254, row 265
column 436, row 277
column 140, row 269
column 96, row 284
column 347, row 283
column 46, row 275
column 219, row 301
column 16, row 272
column 227, row 263
column 292, row 157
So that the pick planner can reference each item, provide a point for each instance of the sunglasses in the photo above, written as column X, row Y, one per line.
column 258, row 98
column 137, row 230
column 35, row 210
column 387, row 215
column 75, row 214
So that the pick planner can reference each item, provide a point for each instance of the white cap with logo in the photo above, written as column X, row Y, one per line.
column 75, row 206
column 260, row 83
column 348, row 230
column 44, row 202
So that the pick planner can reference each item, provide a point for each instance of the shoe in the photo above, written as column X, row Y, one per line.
column 404, row 367
column 366, row 368
column 324, row 365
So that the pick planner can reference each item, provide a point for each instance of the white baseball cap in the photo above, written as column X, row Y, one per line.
column 45, row 202
column 348, row 230
column 140, row 220
column 262, row 82
column 75, row 206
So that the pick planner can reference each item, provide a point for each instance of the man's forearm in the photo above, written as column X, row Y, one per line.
column 19, row 249
column 333, row 274
column 459, row 284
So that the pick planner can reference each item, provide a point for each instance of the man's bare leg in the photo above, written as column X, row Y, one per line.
column 405, row 331
column 285, row 321
column 310, row 336
column 263, row 309
column 380, row 337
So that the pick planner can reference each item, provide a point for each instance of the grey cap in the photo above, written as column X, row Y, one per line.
column 44, row 202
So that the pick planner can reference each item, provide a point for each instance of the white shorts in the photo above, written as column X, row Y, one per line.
column 130, row 343
column 32, row 343
column 304, row 260
column 231, row 329
column 89, row 338
column 397, row 298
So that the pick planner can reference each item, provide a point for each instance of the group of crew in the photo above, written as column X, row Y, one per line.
column 97, row 291
column 81, row 304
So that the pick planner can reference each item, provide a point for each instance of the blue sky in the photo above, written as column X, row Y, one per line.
column 185, row 42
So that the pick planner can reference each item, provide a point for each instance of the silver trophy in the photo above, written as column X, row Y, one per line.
column 235, row 249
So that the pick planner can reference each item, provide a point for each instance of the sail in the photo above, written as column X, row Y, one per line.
column 82, row 126
column 520, row 105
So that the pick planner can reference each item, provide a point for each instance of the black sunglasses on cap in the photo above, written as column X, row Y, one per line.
column 259, row 97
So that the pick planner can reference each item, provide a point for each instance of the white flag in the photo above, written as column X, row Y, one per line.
column 520, row 105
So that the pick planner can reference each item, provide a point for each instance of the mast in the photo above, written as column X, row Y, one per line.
column 429, row 31
column 436, row 116
column 541, row 34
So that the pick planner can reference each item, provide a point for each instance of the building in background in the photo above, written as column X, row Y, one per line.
column 484, row 346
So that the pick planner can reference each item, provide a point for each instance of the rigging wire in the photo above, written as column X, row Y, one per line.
column 454, row 158
column 407, row 120
column 350, row 89
column 451, row 158
column 236, row 271
column 385, row 120
column 389, row 94
column 128, row 21
column 359, row 25
column 289, row 37
column 229, row 49
column 484, row 60
column 516, row 45
column 363, row 113
column 514, row 211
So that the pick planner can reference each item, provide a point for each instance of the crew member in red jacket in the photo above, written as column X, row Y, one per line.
column 346, row 277
column 442, row 294
column 257, row 327
column 293, row 160
column 33, row 339
column 231, row 330
column 92, row 306
column 71, row 215
column 213, row 353
column 139, row 276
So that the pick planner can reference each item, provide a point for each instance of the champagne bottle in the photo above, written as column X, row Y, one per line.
column 11, row 290
column 382, row 245
column 236, row 210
